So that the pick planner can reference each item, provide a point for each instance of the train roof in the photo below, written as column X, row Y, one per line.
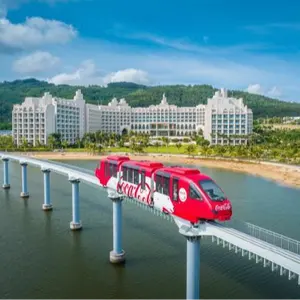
column 181, row 170
column 145, row 164
column 192, row 173
column 150, row 164
column 117, row 158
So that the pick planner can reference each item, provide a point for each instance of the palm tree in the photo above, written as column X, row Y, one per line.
column 190, row 149
column 100, row 148
column 6, row 142
column 157, row 145
column 64, row 144
column 93, row 147
column 51, row 141
column 78, row 142
column 24, row 144
column 178, row 145
column 165, row 140
column 204, row 150
column 99, row 136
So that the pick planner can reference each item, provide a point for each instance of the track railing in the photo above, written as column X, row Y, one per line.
column 274, row 238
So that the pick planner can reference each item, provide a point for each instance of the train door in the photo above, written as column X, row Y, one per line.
column 178, row 196
column 144, row 191
column 161, row 197
column 175, row 189
column 111, row 170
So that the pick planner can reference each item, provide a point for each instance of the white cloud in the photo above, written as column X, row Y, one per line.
column 85, row 74
column 124, row 62
column 255, row 89
column 34, row 32
column 274, row 92
column 36, row 62
column 88, row 74
column 258, row 89
column 168, row 68
column 129, row 75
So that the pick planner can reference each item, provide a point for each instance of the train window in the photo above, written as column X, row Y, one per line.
column 158, row 182
column 162, row 184
column 106, row 169
column 130, row 175
column 124, row 169
column 194, row 193
column 136, row 176
column 166, row 185
column 175, row 189
column 143, row 180
column 212, row 190
column 113, row 170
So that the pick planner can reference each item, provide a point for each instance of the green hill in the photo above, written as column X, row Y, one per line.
column 137, row 95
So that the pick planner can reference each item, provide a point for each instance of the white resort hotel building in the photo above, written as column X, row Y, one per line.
column 36, row 118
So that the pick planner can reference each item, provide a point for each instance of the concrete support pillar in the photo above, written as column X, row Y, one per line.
column 193, row 268
column 24, row 193
column 47, row 199
column 117, row 255
column 76, row 223
column 6, row 184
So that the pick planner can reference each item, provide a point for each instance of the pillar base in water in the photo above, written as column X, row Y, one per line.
column 6, row 186
column 75, row 226
column 117, row 258
column 47, row 207
column 24, row 195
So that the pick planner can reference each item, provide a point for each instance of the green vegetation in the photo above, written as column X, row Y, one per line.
column 287, row 123
column 136, row 95
column 266, row 143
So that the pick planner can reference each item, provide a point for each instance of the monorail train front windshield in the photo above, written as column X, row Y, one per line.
column 212, row 190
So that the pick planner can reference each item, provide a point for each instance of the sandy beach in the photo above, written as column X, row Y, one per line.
column 283, row 174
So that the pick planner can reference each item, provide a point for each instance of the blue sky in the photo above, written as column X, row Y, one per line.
column 246, row 45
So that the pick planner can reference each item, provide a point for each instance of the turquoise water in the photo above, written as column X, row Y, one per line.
column 41, row 257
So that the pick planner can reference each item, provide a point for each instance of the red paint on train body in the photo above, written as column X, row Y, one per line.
column 183, row 192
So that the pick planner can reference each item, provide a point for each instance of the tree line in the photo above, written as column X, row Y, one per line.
column 266, row 143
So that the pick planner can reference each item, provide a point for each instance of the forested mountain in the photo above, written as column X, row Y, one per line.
column 137, row 95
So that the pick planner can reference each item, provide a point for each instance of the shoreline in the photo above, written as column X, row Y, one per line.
column 287, row 175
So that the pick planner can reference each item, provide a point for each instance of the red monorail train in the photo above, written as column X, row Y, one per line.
column 183, row 192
